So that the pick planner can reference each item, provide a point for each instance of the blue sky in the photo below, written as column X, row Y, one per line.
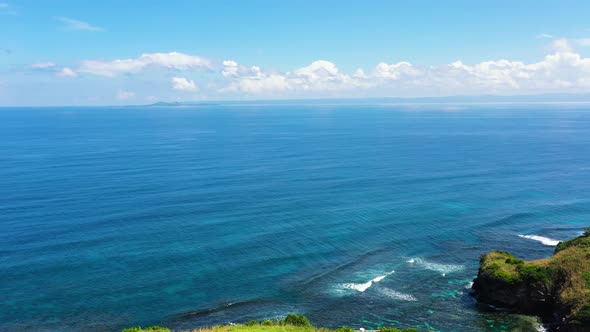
column 90, row 52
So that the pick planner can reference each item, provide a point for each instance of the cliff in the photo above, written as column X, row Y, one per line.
column 555, row 288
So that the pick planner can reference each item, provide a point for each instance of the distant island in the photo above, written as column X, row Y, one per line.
column 557, row 288
column 178, row 104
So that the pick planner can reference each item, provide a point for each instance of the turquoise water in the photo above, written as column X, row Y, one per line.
column 111, row 217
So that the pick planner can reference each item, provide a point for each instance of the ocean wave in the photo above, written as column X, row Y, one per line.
column 443, row 269
column 544, row 240
column 361, row 287
column 396, row 295
column 358, row 287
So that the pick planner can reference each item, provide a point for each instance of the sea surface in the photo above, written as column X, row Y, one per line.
column 352, row 214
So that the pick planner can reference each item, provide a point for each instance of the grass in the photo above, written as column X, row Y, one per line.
column 291, row 323
column 284, row 328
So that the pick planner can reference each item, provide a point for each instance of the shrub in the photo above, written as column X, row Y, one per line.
column 393, row 329
column 514, row 261
column 149, row 328
column 296, row 320
column 533, row 273
column 582, row 317
column 251, row 323
column 388, row 329
column 344, row 329
column 505, row 276
column 267, row 322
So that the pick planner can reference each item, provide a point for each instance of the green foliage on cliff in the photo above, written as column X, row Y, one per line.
column 563, row 279
column 580, row 242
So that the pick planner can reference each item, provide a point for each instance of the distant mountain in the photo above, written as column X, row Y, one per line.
column 165, row 104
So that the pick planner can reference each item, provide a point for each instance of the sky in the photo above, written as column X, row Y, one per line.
column 58, row 52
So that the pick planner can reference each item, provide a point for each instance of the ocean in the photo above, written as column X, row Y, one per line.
column 360, row 214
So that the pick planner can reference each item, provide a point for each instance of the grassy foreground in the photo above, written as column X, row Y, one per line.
column 556, row 286
column 291, row 323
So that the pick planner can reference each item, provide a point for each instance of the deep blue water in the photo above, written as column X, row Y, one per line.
column 113, row 217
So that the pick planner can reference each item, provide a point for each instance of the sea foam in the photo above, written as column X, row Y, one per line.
column 544, row 240
column 361, row 287
column 396, row 295
column 443, row 269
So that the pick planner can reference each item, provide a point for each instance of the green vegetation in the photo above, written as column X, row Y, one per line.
column 559, row 284
column 344, row 329
column 146, row 329
column 393, row 329
column 296, row 320
column 291, row 323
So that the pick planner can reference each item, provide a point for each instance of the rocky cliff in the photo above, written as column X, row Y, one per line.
column 555, row 288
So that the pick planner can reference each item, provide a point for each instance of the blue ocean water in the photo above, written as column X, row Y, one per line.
column 358, row 215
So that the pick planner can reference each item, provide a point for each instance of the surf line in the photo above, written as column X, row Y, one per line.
column 544, row 240
column 364, row 286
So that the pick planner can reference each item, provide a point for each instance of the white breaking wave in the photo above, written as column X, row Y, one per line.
column 379, row 278
column 361, row 287
column 358, row 287
column 544, row 240
column 396, row 295
column 443, row 269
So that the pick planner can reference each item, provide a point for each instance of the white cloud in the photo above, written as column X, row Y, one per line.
column 560, row 45
column 3, row 5
column 125, row 95
column 583, row 41
column 43, row 65
column 172, row 60
column 320, row 75
column 562, row 71
column 544, row 36
column 183, row 84
column 67, row 72
column 73, row 24
column 395, row 71
column 230, row 68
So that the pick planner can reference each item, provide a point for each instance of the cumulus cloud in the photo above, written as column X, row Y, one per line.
column 172, row 60
column 67, row 72
column 560, row 71
column 320, row 75
column 125, row 95
column 183, row 84
column 583, row 41
column 395, row 71
column 544, row 36
column 73, row 24
column 556, row 72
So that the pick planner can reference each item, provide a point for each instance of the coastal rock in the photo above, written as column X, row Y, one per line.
column 557, row 288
